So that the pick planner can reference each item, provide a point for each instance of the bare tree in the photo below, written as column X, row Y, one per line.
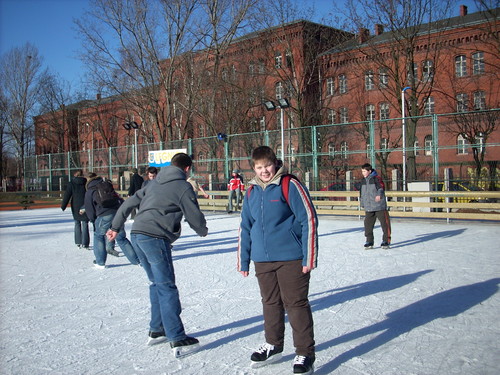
column 20, row 76
column 408, row 25
column 131, row 49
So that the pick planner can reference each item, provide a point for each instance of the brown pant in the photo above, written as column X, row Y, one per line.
column 385, row 223
column 283, row 286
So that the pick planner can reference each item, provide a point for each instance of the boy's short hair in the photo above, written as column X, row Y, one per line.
column 264, row 153
column 367, row 167
column 152, row 170
column 181, row 160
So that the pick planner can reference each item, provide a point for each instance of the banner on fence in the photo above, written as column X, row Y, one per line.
column 162, row 158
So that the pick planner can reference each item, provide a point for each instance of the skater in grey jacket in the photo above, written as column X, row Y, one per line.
column 374, row 202
column 161, row 206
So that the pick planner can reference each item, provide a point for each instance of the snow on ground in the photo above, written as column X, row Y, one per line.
column 429, row 305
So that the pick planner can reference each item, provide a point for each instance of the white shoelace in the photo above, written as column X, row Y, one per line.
column 265, row 348
column 299, row 360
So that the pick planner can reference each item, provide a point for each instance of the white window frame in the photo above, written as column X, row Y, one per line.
column 478, row 63
column 330, row 86
column 462, row 102
column 428, row 144
column 369, row 81
column 342, row 84
column 461, row 145
column 384, row 111
column 460, row 66
column 370, row 112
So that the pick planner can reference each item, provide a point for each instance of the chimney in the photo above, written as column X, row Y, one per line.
column 98, row 96
column 363, row 35
column 463, row 10
column 379, row 29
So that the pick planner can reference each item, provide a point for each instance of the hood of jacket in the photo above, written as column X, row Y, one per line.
column 93, row 182
column 274, row 181
column 169, row 174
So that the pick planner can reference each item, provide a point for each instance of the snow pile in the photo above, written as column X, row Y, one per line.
column 429, row 305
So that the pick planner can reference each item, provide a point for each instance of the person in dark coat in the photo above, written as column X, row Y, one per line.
column 135, row 184
column 75, row 193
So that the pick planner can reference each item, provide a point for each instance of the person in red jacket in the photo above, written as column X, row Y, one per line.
column 235, row 187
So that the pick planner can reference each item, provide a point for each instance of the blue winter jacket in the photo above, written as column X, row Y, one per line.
column 272, row 230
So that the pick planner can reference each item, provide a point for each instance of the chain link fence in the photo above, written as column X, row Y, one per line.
column 326, row 157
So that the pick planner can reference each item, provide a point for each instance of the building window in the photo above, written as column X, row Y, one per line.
column 331, row 150
column 479, row 100
column 342, row 84
column 480, row 142
column 461, row 145
column 370, row 112
column 478, row 63
column 262, row 67
column 332, row 116
column 279, row 90
column 288, row 59
column 369, row 84
column 462, row 102
column 262, row 123
column 429, row 106
column 428, row 70
column 251, row 68
column 368, row 150
column 428, row 144
column 344, row 115
column 384, row 144
column 330, row 87
column 384, row 111
column 460, row 66
column 278, row 60
column 415, row 147
column 412, row 72
column 201, row 130
column 383, row 78
column 344, row 149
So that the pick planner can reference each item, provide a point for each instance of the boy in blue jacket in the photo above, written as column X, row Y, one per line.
column 279, row 233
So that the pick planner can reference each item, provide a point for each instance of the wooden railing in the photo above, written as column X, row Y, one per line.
column 467, row 205
column 484, row 205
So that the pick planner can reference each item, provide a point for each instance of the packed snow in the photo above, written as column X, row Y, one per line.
column 429, row 305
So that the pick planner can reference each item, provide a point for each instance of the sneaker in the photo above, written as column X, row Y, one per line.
column 98, row 266
column 156, row 337
column 184, row 347
column 385, row 245
column 266, row 354
column 368, row 245
column 113, row 252
column 303, row 364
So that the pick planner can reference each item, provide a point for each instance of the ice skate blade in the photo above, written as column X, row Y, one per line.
column 158, row 340
column 184, row 351
column 275, row 358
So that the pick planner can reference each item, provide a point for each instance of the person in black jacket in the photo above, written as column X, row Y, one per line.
column 135, row 184
column 75, row 192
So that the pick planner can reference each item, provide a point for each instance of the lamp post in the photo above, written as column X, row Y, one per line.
column 404, row 133
column 282, row 104
column 133, row 125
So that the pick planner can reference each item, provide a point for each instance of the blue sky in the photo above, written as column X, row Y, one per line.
column 48, row 24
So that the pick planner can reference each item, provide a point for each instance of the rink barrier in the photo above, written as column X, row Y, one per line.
column 477, row 205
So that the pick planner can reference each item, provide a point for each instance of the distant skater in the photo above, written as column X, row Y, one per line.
column 374, row 202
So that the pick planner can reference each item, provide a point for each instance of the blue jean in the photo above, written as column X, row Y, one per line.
column 102, row 224
column 234, row 194
column 82, row 236
column 155, row 255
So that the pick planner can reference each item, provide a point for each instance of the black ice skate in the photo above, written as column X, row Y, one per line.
column 265, row 355
column 185, row 347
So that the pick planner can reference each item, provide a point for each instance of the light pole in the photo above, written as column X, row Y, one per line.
column 282, row 104
column 404, row 133
column 133, row 125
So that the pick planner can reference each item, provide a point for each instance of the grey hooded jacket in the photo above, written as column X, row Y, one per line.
column 371, row 186
column 163, row 203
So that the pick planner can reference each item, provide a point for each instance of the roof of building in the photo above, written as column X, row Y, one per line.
column 472, row 19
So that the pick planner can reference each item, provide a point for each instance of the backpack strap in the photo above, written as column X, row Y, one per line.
column 285, row 187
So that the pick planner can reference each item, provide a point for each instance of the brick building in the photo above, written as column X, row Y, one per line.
column 355, row 82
